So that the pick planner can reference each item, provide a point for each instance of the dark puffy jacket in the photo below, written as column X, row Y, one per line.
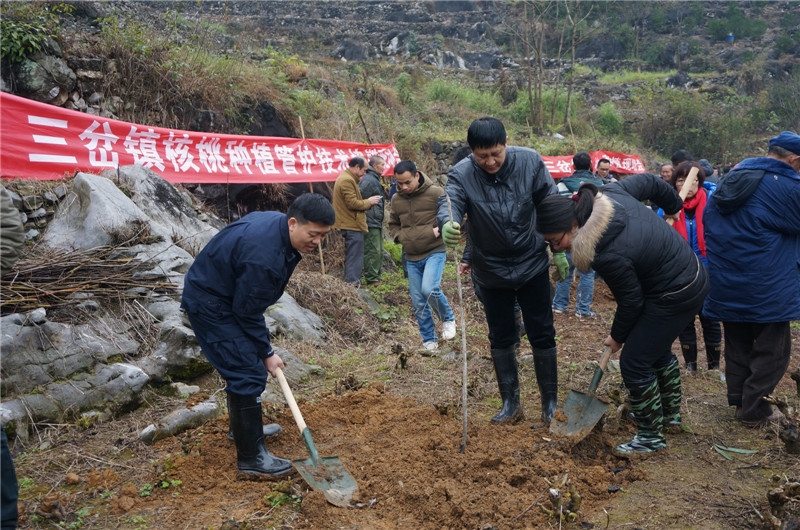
column 752, row 231
column 506, row 249
column 371, row 185
column 638, row 255
column 243, row 270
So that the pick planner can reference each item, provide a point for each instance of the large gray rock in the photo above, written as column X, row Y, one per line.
column 107, row 388
column 92, row 215
column 181, row 420
column 46, row 78
column 164, row 206
column 35, row 355
column 177, row 355
column 287, row 317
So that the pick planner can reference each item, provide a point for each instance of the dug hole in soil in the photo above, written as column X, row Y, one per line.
column 398, row 431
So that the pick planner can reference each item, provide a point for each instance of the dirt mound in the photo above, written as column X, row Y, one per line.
column 406, row 460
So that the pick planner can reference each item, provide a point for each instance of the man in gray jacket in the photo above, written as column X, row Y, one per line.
column 499, row 188
column 369, row 186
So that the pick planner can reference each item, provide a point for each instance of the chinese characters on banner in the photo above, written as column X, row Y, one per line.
column 561, row 166
column 46, row 142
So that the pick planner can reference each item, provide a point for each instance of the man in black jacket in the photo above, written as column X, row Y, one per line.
column 369, row 186
column 499, row 188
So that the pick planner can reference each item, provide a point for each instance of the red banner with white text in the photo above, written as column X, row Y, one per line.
column 46, row 142
column 561, row 166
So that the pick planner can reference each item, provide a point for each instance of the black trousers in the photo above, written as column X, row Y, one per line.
column 649, row 344
column 537, row 314
column 712, row 331
column 756, row 357
column 10, row 490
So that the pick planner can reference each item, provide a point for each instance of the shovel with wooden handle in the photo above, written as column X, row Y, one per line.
column 326, row 475
column 581, row 411
column 691, row 178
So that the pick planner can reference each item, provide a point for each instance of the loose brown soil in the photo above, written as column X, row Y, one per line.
column 399, row 434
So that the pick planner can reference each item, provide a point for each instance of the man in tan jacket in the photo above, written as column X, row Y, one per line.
column 351, row 218
column 413, row 224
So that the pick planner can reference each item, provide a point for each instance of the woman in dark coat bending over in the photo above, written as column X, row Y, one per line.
column 658, row 282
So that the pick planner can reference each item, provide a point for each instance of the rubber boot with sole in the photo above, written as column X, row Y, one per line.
column 669, row 385
column 505, row 368
column 271, row 429
column 713, row 354
column 690, row 356
column 646, row 403
column 546, row 368
column 253, row 460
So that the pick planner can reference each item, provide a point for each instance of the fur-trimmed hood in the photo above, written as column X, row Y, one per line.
column 584, row 244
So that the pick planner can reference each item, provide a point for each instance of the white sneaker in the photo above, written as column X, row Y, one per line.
column 448, row 329
column 430, row 346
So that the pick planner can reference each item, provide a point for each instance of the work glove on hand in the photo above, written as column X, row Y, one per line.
column 451, row 233
column 562, row 266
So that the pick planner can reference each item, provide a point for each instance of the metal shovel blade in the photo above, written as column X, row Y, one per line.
column 582, row 412
column 329, row 476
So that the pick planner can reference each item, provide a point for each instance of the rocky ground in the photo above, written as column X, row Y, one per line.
column 398, row 430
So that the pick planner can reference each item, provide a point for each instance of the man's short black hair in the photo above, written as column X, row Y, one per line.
column 312, row 208
column 681, row 155
column 405, row 165
column 603, row 160
column 582, row 160
column 357, row 161
column 486, row 132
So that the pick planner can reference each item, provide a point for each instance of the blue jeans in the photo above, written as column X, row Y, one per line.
column 583, row 298
column 424, row 278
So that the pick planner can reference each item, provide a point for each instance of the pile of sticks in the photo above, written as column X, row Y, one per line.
column 51, row 278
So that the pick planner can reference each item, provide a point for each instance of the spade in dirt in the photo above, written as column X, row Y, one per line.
column 581, row 411
column 326, row 475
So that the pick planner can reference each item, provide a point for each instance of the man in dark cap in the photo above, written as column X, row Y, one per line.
column 752, row 233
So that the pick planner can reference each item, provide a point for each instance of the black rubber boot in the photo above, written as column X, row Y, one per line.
column 546, row 367
column 690, row 356
column 669, row 385
column 505, row 368
column 271, row 429
column 252, row 458
column 713, row 353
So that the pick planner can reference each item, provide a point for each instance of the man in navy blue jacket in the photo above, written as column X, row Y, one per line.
column 240, row 273
column 752, row 233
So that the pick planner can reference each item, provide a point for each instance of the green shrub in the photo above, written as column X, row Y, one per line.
column 609, row 122
column 784, row 44
column 395, row 250
column 784, row 103
column 710, row 128
column 455, row 93
column 25, row 28
column 403, row 85
column 738, row 23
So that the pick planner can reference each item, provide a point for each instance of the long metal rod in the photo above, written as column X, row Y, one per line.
column 463, row 339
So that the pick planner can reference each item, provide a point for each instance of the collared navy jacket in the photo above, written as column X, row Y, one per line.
column 242, row 271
